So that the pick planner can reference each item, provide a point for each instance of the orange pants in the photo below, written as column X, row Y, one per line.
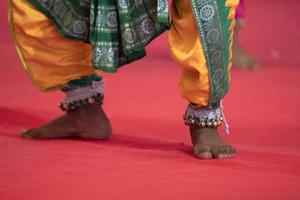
column 52, row 60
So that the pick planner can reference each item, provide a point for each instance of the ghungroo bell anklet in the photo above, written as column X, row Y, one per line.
column 77, row 97
column 206, row 118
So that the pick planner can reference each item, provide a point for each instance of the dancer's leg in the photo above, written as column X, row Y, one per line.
column 187, row 50
column 241, row 58
column 54, row 62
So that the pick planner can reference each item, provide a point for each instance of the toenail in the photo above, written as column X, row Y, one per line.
column 226, row 156
column 220, row 156
column 24, row 130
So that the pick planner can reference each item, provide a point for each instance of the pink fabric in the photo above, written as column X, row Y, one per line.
column 240, row 12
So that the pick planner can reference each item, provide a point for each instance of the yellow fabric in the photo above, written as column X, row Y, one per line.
column 50, row 59
column 186, row 49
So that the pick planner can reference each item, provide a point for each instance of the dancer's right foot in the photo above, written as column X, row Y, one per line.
column 89, row 122
column 240, row 57
column 242, row 60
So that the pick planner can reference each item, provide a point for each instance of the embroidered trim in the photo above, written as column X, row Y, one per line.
column 118, row 31
column 213, row 25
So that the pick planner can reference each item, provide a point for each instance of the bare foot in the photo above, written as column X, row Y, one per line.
column 208, row 144
column 88, row 122
column 241, row 59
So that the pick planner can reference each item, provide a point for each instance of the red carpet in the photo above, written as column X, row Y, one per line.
column 149, row 156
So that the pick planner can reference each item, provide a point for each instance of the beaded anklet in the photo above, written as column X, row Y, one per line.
column 78, row 96
column 205, row 118
column 95, row 99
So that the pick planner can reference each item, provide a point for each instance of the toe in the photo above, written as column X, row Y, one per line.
column 223, row 152
column 219, row 152
column 221, row 156
column 31, row 133
column 202, row 152
column 23, row 132
column 230, row 151
column 204, row 155
column 233, row 150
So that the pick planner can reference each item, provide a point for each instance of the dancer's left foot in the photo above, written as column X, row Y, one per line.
column 208, row 144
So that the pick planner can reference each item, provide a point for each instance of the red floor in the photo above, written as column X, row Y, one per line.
column 149, row 155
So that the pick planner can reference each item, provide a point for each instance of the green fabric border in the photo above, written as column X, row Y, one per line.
column 85, row 81
column 133, row 55
column 129, row 55
column 58, row 25
column 209, row 20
